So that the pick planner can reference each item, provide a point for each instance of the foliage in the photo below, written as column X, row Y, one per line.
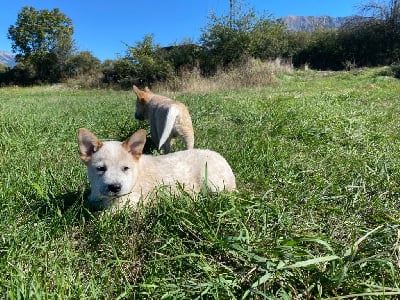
column 118, row 71
column 23, row 74
column 148, row 65
column 43, row 39
column 365, row 43
column 83, row 70
column 230, row 40
column 321, row 52
column 226, row 40
column 83, row 63
column 3, row 68
column 184, row 56
column 384, row 22
column 269, row 40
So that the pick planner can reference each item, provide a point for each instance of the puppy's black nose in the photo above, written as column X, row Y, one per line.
column 114, row 188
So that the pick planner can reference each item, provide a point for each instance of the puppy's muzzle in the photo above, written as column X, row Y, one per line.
column 114, row 188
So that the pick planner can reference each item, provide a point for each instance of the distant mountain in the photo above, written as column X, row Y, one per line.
column 298, row 23
column 7, row 59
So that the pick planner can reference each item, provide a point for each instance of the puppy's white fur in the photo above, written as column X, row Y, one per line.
column 120, row 175
column 168, row 119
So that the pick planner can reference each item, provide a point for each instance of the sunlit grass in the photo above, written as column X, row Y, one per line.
column 316, row 214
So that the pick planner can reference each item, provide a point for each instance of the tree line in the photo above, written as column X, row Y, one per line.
column 46, row 52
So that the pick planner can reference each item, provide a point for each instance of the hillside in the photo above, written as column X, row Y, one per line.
column 316, row 214
column 303, row 23
column 7, row 59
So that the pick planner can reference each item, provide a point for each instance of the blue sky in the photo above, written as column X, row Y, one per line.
column 105, row 27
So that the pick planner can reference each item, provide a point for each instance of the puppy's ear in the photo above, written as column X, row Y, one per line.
column 139, row 93
column 146, row 89
column 135, row 143
column 88, row 144
column 136, row 90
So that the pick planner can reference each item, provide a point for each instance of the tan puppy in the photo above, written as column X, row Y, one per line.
column 120, row 175
column 168, row 119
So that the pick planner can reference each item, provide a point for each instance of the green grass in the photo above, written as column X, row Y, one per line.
column 317, row 162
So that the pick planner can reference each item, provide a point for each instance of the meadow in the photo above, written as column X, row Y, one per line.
column 316, row 214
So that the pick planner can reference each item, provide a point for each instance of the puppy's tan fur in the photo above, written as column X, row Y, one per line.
column 119, row 174
column 168, row 119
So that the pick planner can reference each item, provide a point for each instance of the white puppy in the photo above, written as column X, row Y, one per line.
column 120, row 175
column 168, row 119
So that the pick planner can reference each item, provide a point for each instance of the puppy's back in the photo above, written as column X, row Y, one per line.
column 193, row 168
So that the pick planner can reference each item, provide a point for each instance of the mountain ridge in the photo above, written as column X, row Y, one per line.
column 312, row 23
column 7, row 59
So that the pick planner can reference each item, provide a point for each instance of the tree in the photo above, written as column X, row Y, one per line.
column 269, row 40
column 383, row 17
column 184, row 56
column 120, row 72
column 323, row 51
column 388, row 10
column 227, row 38
column 42, row 38
column 149, row 62
column 83, row 63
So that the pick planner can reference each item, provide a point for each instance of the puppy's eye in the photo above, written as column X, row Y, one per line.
column 101, row 169
column 125, row 169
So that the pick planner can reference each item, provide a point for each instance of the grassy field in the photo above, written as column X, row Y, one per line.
column 317, row 162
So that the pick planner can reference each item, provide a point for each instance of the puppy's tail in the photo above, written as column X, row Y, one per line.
column 173, row 112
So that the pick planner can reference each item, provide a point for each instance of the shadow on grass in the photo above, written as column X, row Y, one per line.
column 71, row 206
column 149, row 147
